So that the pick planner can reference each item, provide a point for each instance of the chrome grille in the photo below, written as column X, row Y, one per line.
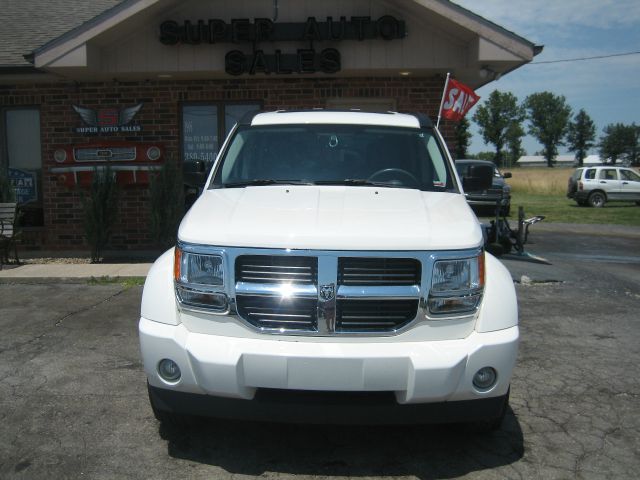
column 326, row 295
column 378, row 271
column 106, row 154
column 277, row 269
column 276, row 312
column 374, row 315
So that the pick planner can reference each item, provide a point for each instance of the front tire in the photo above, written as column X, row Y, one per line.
column 597, row 199
column 168, row 419
column 493, row 424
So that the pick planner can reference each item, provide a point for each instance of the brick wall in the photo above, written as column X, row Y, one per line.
column 160, row 121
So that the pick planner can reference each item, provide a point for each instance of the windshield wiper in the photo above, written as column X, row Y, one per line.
column 360, row 181
column 262, row 181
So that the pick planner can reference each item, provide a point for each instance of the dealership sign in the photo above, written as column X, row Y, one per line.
column 24, row 184
column 304, row 60
column 108, row 120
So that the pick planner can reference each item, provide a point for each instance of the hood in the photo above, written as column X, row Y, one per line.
column 331, row 218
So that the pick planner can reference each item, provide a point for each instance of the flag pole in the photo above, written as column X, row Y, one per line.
column 444, row 92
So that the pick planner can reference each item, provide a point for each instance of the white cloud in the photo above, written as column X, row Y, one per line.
column 606, row 88
column 528, row 16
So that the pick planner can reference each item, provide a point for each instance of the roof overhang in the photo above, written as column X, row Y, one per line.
column 475, row 50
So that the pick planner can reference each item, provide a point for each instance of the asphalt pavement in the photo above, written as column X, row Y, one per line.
column 73, row 397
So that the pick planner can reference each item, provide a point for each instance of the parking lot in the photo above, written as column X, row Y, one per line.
column 73, row 397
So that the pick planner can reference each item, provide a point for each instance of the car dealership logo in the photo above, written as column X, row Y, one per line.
column 327, row 292
column 108, row 120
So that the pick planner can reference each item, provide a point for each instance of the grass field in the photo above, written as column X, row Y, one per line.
column 542, row 191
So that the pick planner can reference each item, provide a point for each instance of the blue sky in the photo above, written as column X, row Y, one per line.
column 607, row 89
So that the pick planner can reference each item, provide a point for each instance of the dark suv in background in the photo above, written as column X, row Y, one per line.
column 485, row 201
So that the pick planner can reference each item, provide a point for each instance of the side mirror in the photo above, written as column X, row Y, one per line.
column 480, row 178
column 200, row 166
column 506, row 175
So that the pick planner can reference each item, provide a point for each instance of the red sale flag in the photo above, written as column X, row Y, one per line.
column 457, row 99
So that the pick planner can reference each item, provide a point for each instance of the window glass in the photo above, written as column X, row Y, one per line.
column 326, row 154
column 590, row 174
column 630, row 175
column 24, row 161
column 23, row 139
column 608, row 174
column 204, row 128
column 199, row 133
column 233, row 114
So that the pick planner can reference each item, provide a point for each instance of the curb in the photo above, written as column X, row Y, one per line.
column 106, row 280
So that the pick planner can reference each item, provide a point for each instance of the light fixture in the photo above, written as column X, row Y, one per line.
column 405, row 73
column 169, row 370
column 487, row 72
column 485, row 378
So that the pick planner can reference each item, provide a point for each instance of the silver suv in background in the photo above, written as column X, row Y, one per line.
column 595, row 186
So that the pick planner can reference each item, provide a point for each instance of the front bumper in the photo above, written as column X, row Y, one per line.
column 486, row 201
column 352, row 408
column 411, row 372
column 580, row 195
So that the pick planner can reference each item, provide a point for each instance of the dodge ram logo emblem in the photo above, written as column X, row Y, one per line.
column 327, row 292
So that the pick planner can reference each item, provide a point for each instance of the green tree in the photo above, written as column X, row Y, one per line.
column 634, row 146
column 620, row 141
column 489, row 156
column 581, row 135
column 496, row 117
column 462, row 137
column 514, row 144
column 548, row 116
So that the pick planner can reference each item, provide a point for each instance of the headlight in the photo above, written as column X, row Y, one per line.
column 60, row 155
column 456, row 286
column 153, row 153
column 199, row 280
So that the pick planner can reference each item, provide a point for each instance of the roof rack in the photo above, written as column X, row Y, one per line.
column 423, row 119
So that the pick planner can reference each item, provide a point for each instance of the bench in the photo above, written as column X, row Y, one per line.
column 8, row 232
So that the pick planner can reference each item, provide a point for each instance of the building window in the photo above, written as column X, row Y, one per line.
column 204, row 128
column 23, row 160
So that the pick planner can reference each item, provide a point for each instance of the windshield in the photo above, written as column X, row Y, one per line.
column 334, row 154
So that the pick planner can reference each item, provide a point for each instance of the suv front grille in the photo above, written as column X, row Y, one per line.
column 275, row 313
column 327, row 295
column 277, row 269
column 374, row 315
column 112, row 154
column 378, row 271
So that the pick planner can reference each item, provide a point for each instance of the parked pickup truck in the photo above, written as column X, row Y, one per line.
column 331, row 272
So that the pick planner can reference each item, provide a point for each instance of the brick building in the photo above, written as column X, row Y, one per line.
column 135, row 83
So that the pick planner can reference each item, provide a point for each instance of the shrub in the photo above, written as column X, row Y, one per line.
column 167, row 203
column 7, row 192
column 100, row 210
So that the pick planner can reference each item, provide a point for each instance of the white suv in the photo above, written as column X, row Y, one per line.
column 331, row 271
column 595, row 186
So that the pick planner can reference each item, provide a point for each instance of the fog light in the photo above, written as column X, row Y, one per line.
column 60, row 155
column 485, row 378
column 169, row 370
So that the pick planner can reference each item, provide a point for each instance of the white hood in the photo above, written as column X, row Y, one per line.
column 331, row 218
